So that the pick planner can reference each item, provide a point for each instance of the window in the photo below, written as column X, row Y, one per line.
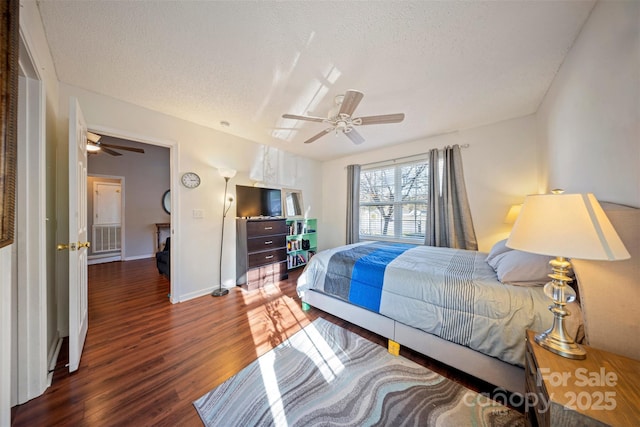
column 393, row 201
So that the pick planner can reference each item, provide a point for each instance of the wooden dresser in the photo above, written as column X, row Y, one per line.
column 601, row 390
column 261, row 252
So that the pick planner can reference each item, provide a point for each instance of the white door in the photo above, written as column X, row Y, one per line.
column 107, row 203
column 107, row 218
column 78, row 290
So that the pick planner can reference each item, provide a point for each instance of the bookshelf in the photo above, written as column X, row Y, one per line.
column 302, row 241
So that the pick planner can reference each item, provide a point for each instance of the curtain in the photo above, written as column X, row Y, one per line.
column 353, row 204
column 432, row 235
column 449, row 222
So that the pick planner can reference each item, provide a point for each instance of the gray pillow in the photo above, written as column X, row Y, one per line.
column 497, row 249
column 522, row 268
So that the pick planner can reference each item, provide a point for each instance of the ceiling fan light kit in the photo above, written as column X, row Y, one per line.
column 341, row 118
column 94, row 146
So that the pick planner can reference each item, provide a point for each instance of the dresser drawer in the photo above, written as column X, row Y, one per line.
column 264, row 243
column 266, row 275
column 266, row 228
column 267, row 257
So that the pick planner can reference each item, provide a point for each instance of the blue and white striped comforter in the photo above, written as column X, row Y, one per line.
column 451, row 293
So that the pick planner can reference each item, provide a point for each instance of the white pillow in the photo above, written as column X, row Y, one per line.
column 522, row 268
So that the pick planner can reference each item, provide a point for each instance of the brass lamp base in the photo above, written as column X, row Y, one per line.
column 568, row 349
column 556, row 339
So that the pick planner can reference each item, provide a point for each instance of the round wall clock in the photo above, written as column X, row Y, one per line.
column 190, row 180
column 166, row 201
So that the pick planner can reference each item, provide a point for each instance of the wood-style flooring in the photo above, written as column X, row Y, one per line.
column 146, row 360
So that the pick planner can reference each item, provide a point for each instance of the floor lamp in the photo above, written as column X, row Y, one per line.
column 227, row 174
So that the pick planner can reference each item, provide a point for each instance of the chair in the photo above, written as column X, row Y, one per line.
column 163, row 259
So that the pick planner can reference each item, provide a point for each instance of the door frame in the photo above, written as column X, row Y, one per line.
column 175, row 212
column 31, row 317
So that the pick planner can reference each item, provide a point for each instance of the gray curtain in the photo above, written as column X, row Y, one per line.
column 449, row 222
column 432, row 233
column 353, row 204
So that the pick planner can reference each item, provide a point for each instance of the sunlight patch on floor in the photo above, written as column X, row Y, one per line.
column 320, row 352
column 272, row 390
column 274, row 318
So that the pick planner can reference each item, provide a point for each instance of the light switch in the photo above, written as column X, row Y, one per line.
column 198, row 213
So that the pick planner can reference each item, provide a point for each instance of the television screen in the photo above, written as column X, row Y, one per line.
column 248, row 202
column 257, row 201
column 272, row 202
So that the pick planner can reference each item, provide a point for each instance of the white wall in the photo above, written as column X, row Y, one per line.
column 500, row 168
column 589, row 122
column 200, row 150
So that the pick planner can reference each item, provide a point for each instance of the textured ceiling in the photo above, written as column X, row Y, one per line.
column 446, row 65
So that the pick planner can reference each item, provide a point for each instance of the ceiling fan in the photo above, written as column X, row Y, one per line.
column 341, row 121
column 94, row 146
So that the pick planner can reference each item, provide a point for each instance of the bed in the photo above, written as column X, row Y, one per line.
column 445, row 303
column 503, row 285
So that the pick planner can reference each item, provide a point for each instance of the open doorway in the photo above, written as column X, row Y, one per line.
column 126, row 187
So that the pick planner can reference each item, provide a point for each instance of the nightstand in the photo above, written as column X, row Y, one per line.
column 603, row 389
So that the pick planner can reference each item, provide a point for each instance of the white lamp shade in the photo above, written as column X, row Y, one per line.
column 226, row 172
column 566, row 225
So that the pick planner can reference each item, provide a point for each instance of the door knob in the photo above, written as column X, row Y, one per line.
column 62, row 246
column 84, row 245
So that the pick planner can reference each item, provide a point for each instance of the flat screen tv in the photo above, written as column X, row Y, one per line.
column 258, row 202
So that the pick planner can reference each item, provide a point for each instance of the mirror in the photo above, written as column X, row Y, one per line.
column 166, row 201
column 292, row 201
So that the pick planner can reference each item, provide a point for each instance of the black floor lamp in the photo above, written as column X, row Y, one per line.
column 227, row 174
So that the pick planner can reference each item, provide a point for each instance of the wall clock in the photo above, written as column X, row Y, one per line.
column 166, row 201
column 190, row 180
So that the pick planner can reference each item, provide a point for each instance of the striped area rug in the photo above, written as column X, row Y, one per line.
column 325, row 375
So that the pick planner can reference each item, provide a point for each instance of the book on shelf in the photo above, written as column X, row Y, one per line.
column 295, row 260
column 294, row 245
column 299, row 227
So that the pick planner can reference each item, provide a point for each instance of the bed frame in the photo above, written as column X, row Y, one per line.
column 487, row 368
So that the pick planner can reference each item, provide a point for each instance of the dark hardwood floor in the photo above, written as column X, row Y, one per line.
column 146, row 360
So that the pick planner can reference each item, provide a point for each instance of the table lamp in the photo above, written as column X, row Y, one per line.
column 564, row 226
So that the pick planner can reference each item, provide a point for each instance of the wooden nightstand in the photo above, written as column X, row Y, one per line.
column 603, row 389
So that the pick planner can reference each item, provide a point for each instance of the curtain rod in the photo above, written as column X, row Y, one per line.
column 413, row 156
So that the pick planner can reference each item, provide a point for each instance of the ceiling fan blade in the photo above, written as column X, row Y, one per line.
column 351, row 100
column 376, row 120
column 93, row 137
column 307, row 118
column 120, row 147
column 109, row 151
column 354, row 136
column 318, row 136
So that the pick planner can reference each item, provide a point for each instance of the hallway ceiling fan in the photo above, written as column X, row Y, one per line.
column 341, row 120
column 94, row 146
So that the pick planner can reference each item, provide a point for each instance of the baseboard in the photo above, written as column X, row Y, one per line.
column 52, row 357
column 196, row 294
column 102, row 260
column 133, row 258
